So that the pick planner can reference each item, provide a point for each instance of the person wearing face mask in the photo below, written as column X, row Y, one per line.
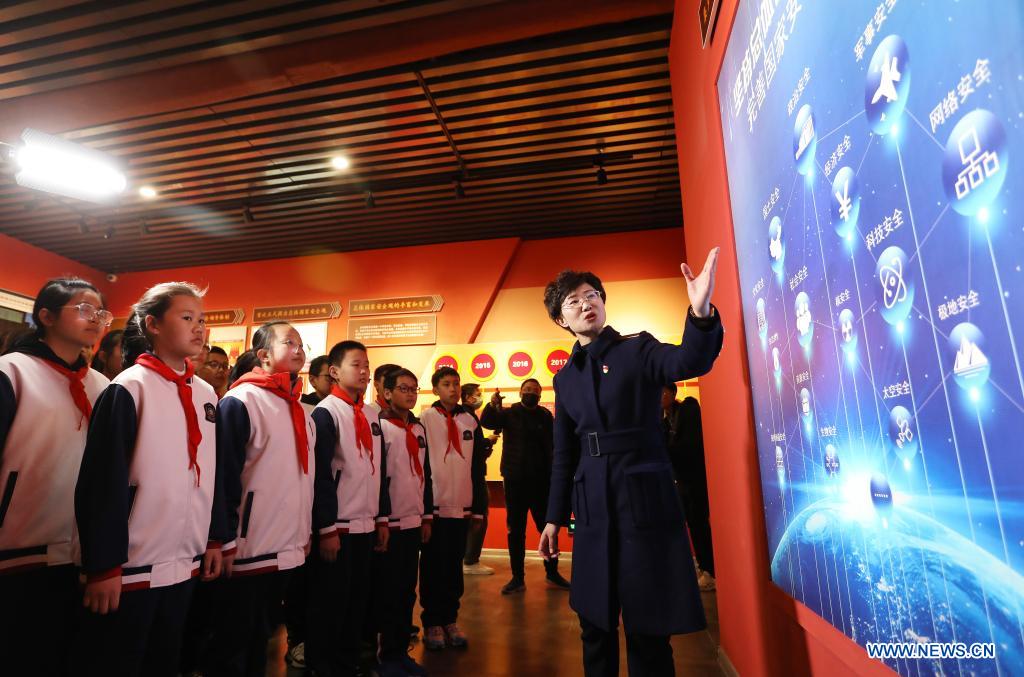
column 472, row 400
column 526, row 470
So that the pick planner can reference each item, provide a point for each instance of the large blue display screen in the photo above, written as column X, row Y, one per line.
column 877, row 205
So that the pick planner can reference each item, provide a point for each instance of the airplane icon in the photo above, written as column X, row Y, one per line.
column 890, row 76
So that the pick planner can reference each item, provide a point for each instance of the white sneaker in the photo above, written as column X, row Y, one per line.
column 477, row 570
column 296, row 656
column 706, row 581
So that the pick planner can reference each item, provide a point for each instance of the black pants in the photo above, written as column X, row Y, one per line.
column 646, row 655
column 475, row 535
column 338, row 593
column 524, row 496
column 40, row 610
column 243, row 621
column 398, row 587
column 295, row 612
column 698, row 519
column 143, row 637
column 441, row 583
column 198, row 629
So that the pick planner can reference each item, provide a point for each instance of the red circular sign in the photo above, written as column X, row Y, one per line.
column 520, row 364
column 446, row 361
column 482, row 366
column 556, row 360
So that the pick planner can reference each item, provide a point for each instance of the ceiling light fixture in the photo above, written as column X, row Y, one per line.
column 340, row 162
column 55, row 165
column 147, row 192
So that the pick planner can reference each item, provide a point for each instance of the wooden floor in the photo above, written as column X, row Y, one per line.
column 531, row 633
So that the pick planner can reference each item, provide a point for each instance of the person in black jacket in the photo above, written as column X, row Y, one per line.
column 685, row 440
column 631, row 554
column 526, row 470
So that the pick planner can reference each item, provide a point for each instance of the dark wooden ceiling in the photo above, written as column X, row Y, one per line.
column 522, row 126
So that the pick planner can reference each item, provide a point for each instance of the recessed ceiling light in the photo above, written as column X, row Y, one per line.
column 148, row 192
column 340, row 162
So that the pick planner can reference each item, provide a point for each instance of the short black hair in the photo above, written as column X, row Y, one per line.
column 672, row 388
column 109, row 342
column 441, row 373
column 391, row 378
column 563, row 285
column 245, row 363
column 530, row 380
column 468, row 389
column 217, row 350
column 382, row 371
column 316, row 365
column 339, row 350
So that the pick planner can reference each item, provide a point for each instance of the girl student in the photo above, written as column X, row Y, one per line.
column 349, row 508
column 410, row 493
column 46, row 396
column 146, row 491
column 265, row 449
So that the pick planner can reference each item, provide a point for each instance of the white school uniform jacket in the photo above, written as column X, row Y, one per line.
column 267, row 495
column 348, row 494
column 410, row 497
column 141, row 511
column 458, row 478
column 42, row 436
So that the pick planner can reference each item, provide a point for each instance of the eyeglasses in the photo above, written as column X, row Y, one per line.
column 90, row 313
column 591, row 297
column 407, row 390
column 216, row 366
column 295, row 347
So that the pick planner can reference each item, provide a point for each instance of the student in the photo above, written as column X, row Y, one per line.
column 47, row 393
column 265, row 447
column 245, row 363
column 379, row 373
column 146, row 491
column 455, row 442
column 349, row 507
column 410, row 492
column 319, row 380
column 472, row 400
column 107, row 359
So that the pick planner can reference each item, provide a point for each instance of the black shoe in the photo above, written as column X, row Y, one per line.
column 514, row 586
column 555, row 580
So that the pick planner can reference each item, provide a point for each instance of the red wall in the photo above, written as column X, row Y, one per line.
column 24, row 268
column 763, row 630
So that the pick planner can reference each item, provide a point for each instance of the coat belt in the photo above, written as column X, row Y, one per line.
column 616, row 442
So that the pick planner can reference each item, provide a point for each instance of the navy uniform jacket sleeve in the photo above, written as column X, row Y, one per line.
column 478, row 471
column 102, row 495
column 566, row 457
column 8, row 408
column 493, row 418
column 666, row 363
column 233, row 433
column 325, row 497
column 384, row 509
column 428, row 484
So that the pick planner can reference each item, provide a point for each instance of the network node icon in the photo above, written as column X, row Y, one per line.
column 975, row 162
column 804, row 323
column 896, row 289
column 805, row 140
column 971, row 366
column 845, row 203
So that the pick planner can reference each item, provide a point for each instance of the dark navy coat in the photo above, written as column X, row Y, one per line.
column 612, row 471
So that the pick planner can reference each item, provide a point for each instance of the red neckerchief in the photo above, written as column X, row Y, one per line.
column 195, row 436
column 77, row 388
column 364, row 437
column 412, row 445
column 454, row 441
column 281, row 385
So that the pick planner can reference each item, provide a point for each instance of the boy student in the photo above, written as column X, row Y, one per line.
column 410, row 494
column 265, row 447
column 349, row 514
column 379, row 404
column 455, row 443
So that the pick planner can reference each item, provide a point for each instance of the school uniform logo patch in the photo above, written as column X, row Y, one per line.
column 211, row 412
column 375, row 428
column 467, row 435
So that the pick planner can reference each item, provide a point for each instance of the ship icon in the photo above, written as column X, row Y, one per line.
column 970, row 361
